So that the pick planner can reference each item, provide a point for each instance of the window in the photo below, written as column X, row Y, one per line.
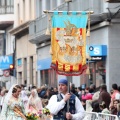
column 25, row 68
column 31, row 70
column 19, row 62
column 6, row 6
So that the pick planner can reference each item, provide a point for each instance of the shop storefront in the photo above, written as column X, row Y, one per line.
column 46, row 75
column 97, row 65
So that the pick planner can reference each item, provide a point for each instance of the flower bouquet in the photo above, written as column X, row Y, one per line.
column 32, row 116
column 41, row 115
column 46, row 113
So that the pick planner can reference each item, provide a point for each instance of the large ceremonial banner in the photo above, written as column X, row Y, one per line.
column 68, row 43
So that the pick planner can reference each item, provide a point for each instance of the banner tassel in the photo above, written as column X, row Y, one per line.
column 48, row 25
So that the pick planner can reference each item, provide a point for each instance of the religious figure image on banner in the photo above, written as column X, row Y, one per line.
column 68, row 43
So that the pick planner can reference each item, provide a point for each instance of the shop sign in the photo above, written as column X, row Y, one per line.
column 97, row 50
column 43, row 64
column 96, row 58
column 5, row 62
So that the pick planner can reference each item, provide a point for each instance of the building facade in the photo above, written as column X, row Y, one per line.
column 6, row 40
column 104, row 37
column 25, row 52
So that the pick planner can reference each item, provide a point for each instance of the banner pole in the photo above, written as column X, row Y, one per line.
column 69, row 77
column 47, row 11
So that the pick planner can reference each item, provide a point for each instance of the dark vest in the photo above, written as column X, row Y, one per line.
column 62, row 113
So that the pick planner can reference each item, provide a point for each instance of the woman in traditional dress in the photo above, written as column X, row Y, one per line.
column 13, row 108
column 34, row 104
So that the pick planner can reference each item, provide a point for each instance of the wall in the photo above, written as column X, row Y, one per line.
column 24, row 11
column 113, row 54
column 109, row 36
column 10, row 41
column 24, row 49
column 7, row 17
column 43, row 52
column 101, row 37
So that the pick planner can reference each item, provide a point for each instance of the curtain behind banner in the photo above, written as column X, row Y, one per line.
column 68, row 43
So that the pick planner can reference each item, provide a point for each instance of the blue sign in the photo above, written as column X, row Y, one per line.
column 97, row 50
column 5, row 62
column 43, row 64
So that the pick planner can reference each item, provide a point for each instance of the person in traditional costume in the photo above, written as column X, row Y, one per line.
column 34, row 104
column 58, row 104
column 13, row 108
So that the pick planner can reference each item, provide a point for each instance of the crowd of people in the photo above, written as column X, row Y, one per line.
column 20, row 100
column 100, row 100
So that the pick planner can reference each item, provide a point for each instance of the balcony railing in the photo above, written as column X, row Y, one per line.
column 37, row 29
column 7, row 9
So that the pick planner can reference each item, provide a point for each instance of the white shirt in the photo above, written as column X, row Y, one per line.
column 54, row 106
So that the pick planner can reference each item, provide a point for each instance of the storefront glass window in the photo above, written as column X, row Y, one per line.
column 49, row 77
column 97, row 74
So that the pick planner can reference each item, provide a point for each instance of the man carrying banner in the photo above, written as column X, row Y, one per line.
column 58, row 104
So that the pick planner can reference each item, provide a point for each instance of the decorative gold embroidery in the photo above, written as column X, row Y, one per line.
column 69, row 41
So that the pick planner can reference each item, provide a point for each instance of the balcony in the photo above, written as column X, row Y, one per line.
column 7, row 9
column 37, row 28
column 113, row 1
column 6, row 16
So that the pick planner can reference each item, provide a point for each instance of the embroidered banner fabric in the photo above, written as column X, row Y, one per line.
column 68, row 43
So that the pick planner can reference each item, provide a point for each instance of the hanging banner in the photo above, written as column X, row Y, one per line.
column 68, row 43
